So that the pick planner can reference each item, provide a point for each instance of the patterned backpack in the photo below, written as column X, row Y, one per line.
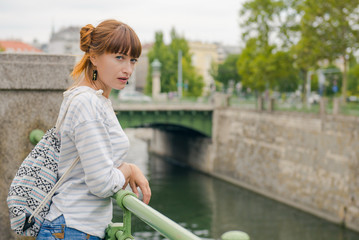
column 35, row 182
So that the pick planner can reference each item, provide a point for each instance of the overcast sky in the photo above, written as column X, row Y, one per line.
column 203, row 20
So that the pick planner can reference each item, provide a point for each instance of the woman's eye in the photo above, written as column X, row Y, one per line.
column 134, row 60
column 119, row 57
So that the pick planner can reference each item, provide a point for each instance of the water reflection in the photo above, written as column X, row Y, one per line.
column 209, row 207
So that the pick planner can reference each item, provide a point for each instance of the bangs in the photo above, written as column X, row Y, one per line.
column 124, row 40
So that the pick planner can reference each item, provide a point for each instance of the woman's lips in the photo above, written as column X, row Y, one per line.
column 124, row 80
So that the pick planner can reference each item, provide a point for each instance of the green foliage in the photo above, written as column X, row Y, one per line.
column 314, row 83
column 248, row 66
column 168, row 57
column 260, row 18
column 308, row 33
column 262, row 68
column 282, row 72
column 263, row 65
column 332, row 23
column 353, row 80
column 226, row 71
column 331, row 30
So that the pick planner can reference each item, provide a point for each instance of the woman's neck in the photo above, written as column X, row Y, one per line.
column 96, row 85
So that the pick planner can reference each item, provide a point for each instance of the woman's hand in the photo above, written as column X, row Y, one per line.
column 134, row 177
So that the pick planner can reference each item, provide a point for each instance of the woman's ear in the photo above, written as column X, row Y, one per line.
column 93, row 59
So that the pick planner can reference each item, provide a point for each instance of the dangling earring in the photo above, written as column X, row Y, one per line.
column 94, row 75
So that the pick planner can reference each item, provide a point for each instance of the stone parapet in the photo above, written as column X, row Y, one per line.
column 31, row 87
column 35, row 71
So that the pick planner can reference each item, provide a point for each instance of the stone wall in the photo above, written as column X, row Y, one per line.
column 306, row 161
column 31, row 88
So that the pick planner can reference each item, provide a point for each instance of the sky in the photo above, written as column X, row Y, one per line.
column 197, row 20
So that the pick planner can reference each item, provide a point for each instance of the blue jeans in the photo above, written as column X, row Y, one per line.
column 57, row 229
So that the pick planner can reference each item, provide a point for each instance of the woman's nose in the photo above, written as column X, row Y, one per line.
column 128, row 68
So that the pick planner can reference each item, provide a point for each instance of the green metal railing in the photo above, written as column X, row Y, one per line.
column 130, row 204
column 162, row 224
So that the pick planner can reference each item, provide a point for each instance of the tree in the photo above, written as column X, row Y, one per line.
column 285, row 76
column 353, row 80
column 260, row 19
column 226, row 71
column 335, row 26
column 261, row 70
column 262, row 64
column 252, row 66
column 168, row 56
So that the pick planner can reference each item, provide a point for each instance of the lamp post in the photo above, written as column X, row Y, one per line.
column 156, row 78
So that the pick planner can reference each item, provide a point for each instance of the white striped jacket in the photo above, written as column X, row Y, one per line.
column 90, row 130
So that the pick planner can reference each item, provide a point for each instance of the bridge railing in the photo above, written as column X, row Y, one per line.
column 130, row 204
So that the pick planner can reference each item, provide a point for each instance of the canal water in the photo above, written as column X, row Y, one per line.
column 209, row 207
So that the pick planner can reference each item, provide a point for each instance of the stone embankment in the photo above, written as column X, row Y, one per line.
column 310, row 162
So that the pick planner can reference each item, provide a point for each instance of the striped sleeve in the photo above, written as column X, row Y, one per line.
column 94, row 147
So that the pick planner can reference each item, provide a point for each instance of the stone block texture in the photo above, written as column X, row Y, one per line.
column 307, row 161
column 31, row 87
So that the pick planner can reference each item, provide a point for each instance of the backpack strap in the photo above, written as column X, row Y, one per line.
column 61, row 180
column 61, row 120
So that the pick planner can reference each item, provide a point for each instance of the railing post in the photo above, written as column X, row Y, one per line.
column 260, row 101
column 121, row 231
column 271, row 104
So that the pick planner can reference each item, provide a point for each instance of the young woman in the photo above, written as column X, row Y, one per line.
column 81, row 208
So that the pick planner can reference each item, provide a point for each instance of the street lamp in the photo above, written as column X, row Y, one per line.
column 156, row 78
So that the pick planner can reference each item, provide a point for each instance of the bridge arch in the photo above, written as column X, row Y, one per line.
column 197, row 120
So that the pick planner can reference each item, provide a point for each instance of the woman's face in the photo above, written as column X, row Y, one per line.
column 114, row 70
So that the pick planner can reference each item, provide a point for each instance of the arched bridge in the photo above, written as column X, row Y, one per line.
column 186, row 117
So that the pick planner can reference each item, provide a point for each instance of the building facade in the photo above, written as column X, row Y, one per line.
column 65, row 41
column 203, row 56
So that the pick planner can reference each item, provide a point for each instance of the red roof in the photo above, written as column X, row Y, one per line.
column 17, row 46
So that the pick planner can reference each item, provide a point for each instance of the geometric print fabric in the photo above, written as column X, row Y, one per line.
column 33, row 181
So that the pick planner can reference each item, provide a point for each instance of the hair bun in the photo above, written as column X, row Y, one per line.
column 85, row 37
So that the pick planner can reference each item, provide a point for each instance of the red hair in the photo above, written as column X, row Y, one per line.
column 110, row 36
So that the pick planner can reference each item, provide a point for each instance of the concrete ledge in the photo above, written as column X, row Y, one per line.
column 35, row 71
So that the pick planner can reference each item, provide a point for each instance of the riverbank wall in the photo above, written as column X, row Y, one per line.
column 31, row 87
column 310, row 162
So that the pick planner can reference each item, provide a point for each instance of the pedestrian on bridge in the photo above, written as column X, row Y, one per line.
column 81, row 207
